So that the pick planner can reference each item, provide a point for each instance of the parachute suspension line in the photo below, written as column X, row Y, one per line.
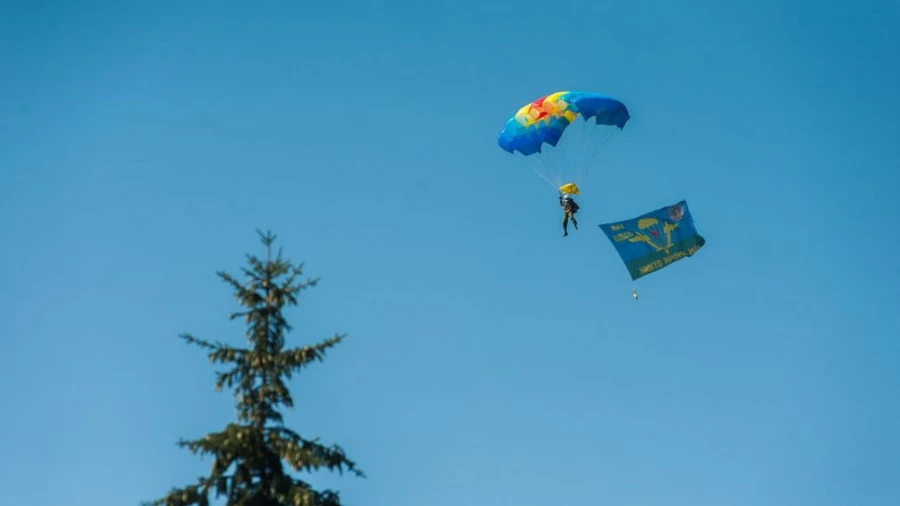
column 586, row 134
column 592, row 141
column 564, row 158
column 573, row 157
column 592, row 138
column 540, row 162
column 543, row 177
column 579, row 144
column 573, row 160
column 550, row 159
column 602, row 138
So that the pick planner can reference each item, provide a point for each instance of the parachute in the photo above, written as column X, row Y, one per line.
column 562, row 121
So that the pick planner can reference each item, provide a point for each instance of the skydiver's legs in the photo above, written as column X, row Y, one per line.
column 566, row 216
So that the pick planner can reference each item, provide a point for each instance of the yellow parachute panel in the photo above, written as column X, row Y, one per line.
column 569, row 189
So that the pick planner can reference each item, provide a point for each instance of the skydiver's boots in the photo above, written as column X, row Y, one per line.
column 575, row 222
column 565, row 225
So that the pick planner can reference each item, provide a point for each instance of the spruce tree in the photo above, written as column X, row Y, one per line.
column 249, row 454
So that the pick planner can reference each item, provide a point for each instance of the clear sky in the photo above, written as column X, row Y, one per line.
column 489, row 360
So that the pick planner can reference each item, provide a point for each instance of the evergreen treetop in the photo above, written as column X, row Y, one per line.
column 249, row 454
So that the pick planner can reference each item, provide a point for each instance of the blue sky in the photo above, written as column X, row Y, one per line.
column 488, row 360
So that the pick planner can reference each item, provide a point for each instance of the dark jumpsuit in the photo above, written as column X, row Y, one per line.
column 569, row 209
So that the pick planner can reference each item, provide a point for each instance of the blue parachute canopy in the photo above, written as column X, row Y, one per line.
column 545, row 119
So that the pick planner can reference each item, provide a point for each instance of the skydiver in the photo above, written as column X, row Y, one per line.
column 569, row 209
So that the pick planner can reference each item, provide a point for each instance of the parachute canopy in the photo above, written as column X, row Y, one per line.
column 656, row 239
column 545, row 119
column 561, row 133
